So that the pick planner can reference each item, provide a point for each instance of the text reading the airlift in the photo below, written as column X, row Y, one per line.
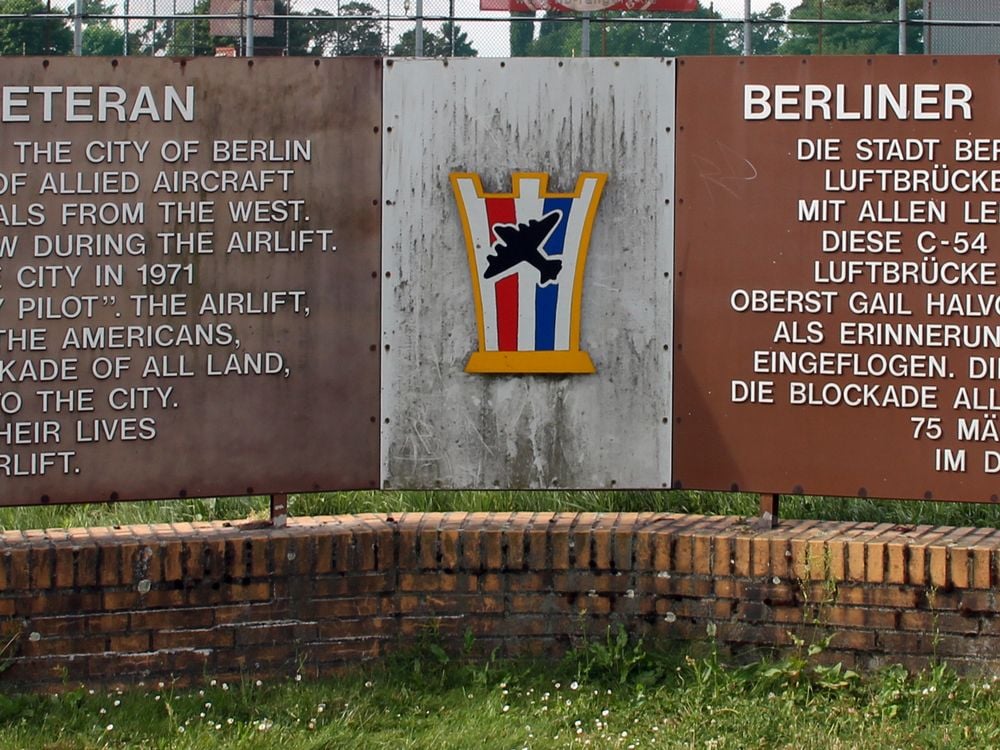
column 116, row 297
column 899, row 306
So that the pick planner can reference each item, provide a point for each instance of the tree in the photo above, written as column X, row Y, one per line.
column 451, row 41
column 312, row 34
column 31, row 36
column 361, row 35
column 851, row 39
column 559, row 35
column 766, row 34
column 521, row 33
column 99, row 36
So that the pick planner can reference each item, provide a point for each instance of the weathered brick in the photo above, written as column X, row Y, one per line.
column 353, row 607
column 856, row 560
column 723, row 555
column 492, row 549
column 601, row 547
column 859, row 617
column 63, row 567
column 250, row 592
column 961, row 564
column 940, row 622
column 741, row 556
column 19, row 569
column 511, row 542
column 60, row 602
column 621, row 549
column 938, row 567
column 836, row 551
column 760, row 554
column 269, row 633
column 878, row 596
column 86, row 564
column 415, row 582
column 537, row 540
column 62, row 646
column 859, row 640
column 897, row 555
column 725, row 588
column 983, row 602
column 105, row 623
column 172, row 556
column 130, row 642
column 677, row 585
column 982, row 568
column 643, row 552
column 171, row 619
column 364, row 544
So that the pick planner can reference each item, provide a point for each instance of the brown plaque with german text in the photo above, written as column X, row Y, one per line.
column 838, row 289
column 189, row 258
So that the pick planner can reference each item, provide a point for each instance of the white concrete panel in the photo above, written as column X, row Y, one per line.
column 445, row 427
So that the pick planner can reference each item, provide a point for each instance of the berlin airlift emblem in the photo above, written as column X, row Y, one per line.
column 527, row 252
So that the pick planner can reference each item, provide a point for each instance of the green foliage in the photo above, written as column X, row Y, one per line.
column 31, row 36
column 799, row 676
column 612, row 33
column 616, row 659
column 451, row 41
column 521, row 33
column 616, row 33
column 389, row 502
column 855, row 38
column 355, row 36
column 452, row 705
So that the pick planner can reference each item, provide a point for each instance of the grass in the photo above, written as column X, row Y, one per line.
column 609, row 694
column 708, row 503
column 613, row 693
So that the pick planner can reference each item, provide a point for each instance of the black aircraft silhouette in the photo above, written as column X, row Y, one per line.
column 521, row 244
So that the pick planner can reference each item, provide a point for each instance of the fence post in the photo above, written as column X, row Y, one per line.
column 418, row 31
column 585, row 35
column 747, row 36
column 902, row 27
column 249, row 44
column 78, row 28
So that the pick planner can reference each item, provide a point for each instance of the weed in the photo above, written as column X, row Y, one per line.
column 799, row 674
column 815, row 609
column 617, row 659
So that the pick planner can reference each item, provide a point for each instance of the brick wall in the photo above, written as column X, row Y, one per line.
column 187, row 601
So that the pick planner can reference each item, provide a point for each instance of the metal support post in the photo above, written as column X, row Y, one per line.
column 78, row 28
column 418, row 31
column 902, row 27
column 249, row 45
column 768, row 511
column 747, row 33
column 279, row 511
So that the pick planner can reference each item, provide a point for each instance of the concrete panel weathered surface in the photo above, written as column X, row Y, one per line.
column 445, row 427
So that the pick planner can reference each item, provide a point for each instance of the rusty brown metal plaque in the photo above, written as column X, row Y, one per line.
column 189, row 259
column 838, row 290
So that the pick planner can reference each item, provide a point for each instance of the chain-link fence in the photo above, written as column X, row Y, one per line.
column 443, row 28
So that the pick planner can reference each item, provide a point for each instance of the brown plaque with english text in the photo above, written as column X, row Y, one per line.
column 189, row 259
